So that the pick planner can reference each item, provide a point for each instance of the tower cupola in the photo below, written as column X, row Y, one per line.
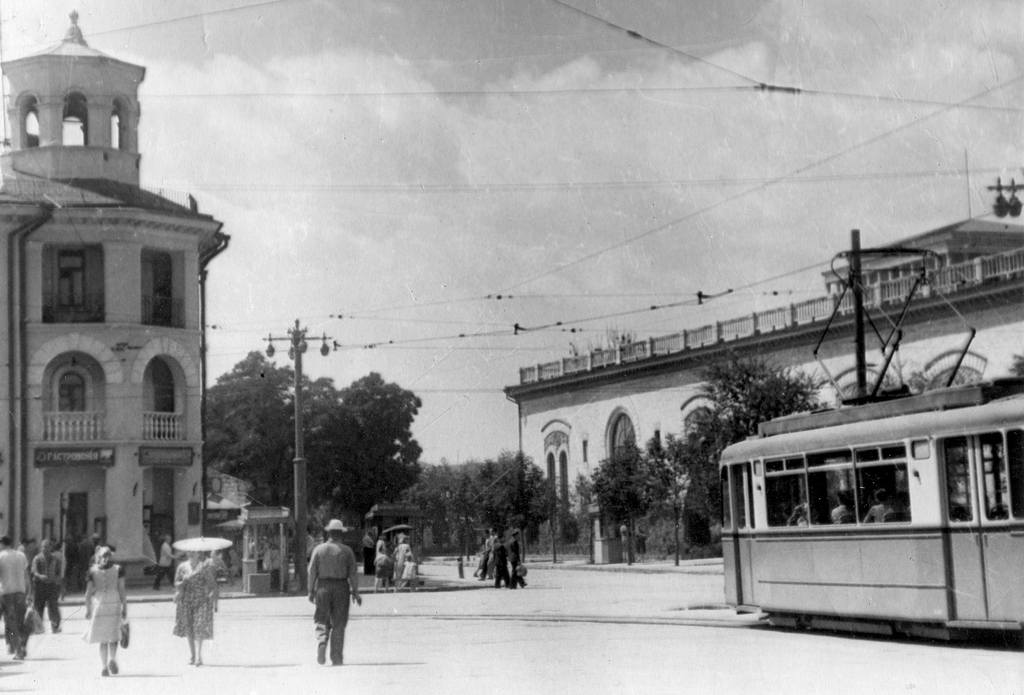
column 73, row 113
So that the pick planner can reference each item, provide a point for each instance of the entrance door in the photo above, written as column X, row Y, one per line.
column 161, row 518
column 967, row 572
column 76, row 523
column 1000, row 459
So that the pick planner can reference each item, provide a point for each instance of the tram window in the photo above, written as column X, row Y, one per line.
column 831, row 496
column 786, row 497
column 829, row 458
column 1015, row 457
column 726, row 513
column 882, row 487
column 750, row 495
column 737, row 494
column 997, row 482
column 958, row 482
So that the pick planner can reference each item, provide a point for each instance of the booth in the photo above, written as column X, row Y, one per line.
column 257, row 523
column 607, row 547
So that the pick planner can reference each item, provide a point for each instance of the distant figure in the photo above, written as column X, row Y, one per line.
column 799, row 516
column 641, row 545
column 47, row 578
column 880, row 509
column 272, row 564
column 485, row 556
column 402, row 552
column 491, row 560
column 383, row 567
column 106, row 606
column 624, row 535
column 514, row 558
column 195, row 584
column 501, row 564
column 842, row 513
column 333, row 582
column 369, row 550
column 164, row 563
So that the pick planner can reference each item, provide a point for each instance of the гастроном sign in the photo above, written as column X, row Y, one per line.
column 74, row 457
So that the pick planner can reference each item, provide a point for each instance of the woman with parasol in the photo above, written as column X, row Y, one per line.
column 195, row 584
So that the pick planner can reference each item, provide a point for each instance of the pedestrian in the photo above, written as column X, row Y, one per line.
column 106, row 606
column 514, row 560
column 624, row 534
column 47, row 579
column 333, row 582
column 369, row 550
column 402, row 552
column 383, row 567
column 407, row 578
column 272, row 564
column 164, row 563
column 641, row 545
column 500, row 563
column 485, row 557
column 14, row 588
column 195, row 584
column 58, row 551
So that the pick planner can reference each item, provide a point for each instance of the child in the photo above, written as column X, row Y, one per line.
column 383, row 567
column 409, row 573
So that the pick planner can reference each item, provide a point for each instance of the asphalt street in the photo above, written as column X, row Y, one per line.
column 647, row 629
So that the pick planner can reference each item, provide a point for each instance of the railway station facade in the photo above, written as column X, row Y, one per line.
column 969, row 314
column 102, row 314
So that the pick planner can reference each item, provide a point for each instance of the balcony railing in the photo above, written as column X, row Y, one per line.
column 90, row 309
column 163, row 311
column 73, row 426
column 163, row 427
column 892, row 292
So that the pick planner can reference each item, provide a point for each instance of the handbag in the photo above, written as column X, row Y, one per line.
column 126, row 634
column 33, row 624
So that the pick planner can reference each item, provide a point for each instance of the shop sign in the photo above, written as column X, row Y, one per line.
column 160, row 456
column 74, row 457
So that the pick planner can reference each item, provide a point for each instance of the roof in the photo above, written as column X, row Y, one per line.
column 87, row 193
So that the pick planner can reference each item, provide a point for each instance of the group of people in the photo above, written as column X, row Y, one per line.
column 392, row 568
column 496, row 555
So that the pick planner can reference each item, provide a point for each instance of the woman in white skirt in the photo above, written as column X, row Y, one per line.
column 106, row 605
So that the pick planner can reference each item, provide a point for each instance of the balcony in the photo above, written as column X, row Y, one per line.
column 89, row 310
column 163, row 427
column 80, row 426
column 163, row 311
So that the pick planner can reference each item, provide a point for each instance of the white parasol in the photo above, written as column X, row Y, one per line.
column 201, row 544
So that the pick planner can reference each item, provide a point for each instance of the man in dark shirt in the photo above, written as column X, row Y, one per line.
column 515, row 560
column 47, row 577
column 333, row 579
column 500, row 563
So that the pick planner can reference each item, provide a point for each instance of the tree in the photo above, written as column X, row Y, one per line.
column 1017, row 368
column 627, row 485
column 358, row 441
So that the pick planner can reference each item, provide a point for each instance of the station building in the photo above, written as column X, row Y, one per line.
column 969, row 314
column 101, row 307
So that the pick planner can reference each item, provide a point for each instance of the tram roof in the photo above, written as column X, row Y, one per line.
column 884, row 427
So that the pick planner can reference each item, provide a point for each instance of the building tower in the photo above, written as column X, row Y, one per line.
column 102, row 314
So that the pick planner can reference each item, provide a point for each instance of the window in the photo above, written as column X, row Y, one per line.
column 71, row 279
column 786, row 492
column 997, row 480
column 831, row 493
column 958, row 480
column 551, row 468
column 30, row 124
column 1015, row 457
column 76, row 120
column 563, row 475
column 726, row 502
column 622, row 435
column 163, row 386
column 71, row 392
column 737, row 494
column 585, row 442
column 883, row 493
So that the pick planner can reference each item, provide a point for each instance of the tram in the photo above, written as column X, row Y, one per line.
column 902, row 516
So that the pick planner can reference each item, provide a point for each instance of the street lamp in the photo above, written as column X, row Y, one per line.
column 297, row 340
column 1002, row 206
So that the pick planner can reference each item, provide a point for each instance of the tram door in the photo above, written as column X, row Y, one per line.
column 740, row 482
column 986, row 552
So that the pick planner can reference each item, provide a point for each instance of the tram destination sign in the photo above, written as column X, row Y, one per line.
column 86, row 456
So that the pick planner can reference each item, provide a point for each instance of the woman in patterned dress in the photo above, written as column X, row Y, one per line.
column 195, row 585
column 106, row 605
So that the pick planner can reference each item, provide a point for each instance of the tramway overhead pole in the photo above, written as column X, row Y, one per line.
column 297, row 339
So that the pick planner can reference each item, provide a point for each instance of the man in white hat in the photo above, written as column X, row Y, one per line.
column 333, row 579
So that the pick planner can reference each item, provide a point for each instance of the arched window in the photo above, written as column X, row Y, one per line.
column 118, row 126
column 163, row 387
column 693, row 419
column 76, row 120
column 30, row 123
column 551, row 467
column 563, row 476
column 622, row 434
column 71, row 393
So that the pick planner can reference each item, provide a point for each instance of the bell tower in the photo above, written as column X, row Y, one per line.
column 73, row 113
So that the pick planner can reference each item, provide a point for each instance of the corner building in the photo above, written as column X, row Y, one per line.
column 102, row 314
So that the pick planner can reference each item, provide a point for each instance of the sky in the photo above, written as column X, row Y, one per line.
column 402, row 176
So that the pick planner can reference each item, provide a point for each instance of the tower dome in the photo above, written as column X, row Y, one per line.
column 73, row 113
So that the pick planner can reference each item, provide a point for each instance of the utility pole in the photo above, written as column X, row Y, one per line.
column 858, row 314
column 297, row 339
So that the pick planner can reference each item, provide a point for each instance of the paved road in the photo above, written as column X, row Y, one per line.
column 650, row 630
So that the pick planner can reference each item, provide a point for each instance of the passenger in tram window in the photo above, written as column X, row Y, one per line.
column 881, row 507
column 799, row 516
column 900, row 508
column 998, row 512
column 843, row 512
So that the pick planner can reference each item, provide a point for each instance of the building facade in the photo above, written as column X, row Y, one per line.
column 102, row 313
column 968, row 314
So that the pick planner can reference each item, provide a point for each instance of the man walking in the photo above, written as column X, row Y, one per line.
column 500, row 563
column 165, row 563
column 333, row 579
column 13, row 589
column 515, row 560
column 47, row 578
